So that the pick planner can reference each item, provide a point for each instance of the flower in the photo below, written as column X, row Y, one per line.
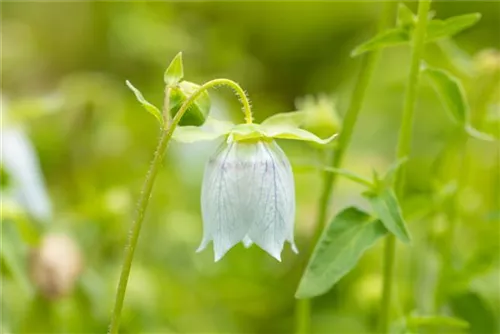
column 248, row 192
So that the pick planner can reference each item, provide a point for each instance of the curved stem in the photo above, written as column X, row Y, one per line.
column 403, row 150
column 303, row 307
column 147, row 187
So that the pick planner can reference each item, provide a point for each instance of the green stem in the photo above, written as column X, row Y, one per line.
column 303, row 307
column 303, row 316
column 403, row 150
column 147, row 187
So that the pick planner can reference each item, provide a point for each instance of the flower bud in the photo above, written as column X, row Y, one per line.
column 55, row 265
column 322, row 118
column 197, row 112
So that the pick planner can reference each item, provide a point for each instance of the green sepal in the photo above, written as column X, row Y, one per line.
column 197, row 112
column 212, row 129
column 174, row 72
column 148, row 106
column 291, row 118
column 289, row 132
column 276, row 129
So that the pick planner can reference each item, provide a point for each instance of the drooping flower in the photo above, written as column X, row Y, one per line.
column 248, row 192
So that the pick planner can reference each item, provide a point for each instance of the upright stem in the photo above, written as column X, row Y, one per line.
column 303, row 307
column 147, row 187
column 403, row 150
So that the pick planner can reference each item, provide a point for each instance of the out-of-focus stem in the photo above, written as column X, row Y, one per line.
column 403, row 150
column 303, row 307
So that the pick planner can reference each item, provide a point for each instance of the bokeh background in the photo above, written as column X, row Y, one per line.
column 76, row 146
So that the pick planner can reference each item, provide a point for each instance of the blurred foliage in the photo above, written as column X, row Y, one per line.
column 64, row 67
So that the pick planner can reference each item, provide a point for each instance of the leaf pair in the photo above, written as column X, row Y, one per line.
column 402, row 34
column 351, row 233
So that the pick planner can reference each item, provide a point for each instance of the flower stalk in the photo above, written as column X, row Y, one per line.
column 142, row 204
column 403, row 150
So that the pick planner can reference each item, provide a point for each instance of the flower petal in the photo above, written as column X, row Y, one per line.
column 223, row 198
column 272, row 201
column 212, row 129
column 247, row 242
column 289, row 132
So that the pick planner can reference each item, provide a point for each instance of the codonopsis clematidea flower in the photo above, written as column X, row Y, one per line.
column 248, row 192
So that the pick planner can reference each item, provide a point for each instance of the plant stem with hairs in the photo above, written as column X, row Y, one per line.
column 147, row 187
column 403, row 150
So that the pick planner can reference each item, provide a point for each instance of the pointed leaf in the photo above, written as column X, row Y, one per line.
column 386, row 206
column 444, row 28
column 396, row 36
column 148, row 106
column 450, row 92
column 175, row 71
column 343, row 242
column 212, row 129
column 289, row 132
column 350, row 175
column 389, row 175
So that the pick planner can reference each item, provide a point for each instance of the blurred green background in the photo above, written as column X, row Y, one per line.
column 63, row 95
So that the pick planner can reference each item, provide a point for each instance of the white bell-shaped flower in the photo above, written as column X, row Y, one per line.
column 248, row 195
column 248, row 190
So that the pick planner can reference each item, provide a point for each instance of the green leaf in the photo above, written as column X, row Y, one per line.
column 212, row 129
column 343, row 242
column 289, row 132
column 393, row 169
column 406, row 18
column 350, row 175
column 174, row 72
column 438, row 322
column 148, row 106
column 451, row 93
column 477, row 311
column 386, row 206
column 396, row 36
column 437, row 29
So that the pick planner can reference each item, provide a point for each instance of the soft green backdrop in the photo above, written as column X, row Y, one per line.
column 63, row 71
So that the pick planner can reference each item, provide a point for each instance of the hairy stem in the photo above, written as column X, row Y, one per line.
column 403, row 150
column 303, row 307
column 147, row 187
